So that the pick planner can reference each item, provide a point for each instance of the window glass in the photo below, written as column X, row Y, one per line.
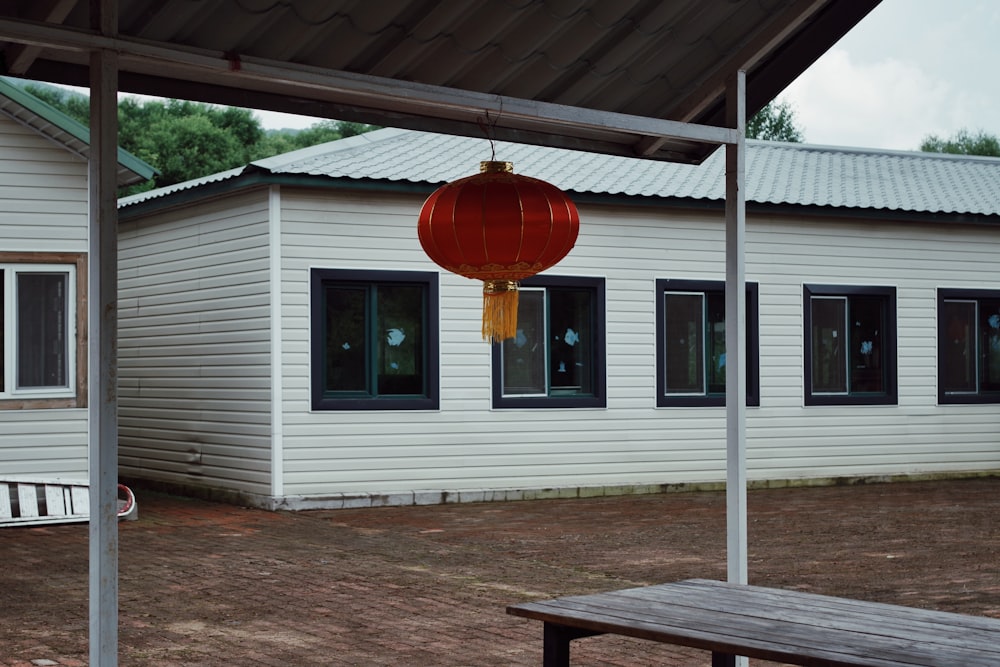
column 683, row 343
column 989, row 327
column 968, row 346
column 346, row 339
column 715, row 341
column 41, row 330
column 958, row 348
column 556, row 358
column 828, row 323
column 3, row 334
column 850, row 345
column 524, row 355
column 571, row 339
column 399, row 335
column 867, row 354
column 374, row 340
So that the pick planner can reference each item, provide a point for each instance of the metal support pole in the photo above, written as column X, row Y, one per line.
column 102, row 360
column 736, row 377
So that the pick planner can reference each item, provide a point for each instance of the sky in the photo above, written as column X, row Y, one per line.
column 910, row 69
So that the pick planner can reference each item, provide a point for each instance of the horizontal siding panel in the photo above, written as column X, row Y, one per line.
column 179, row 439
column 210, row 309
column 44, row 443
column 236, row 418
column 205, row 339
column 249, row 374
column 173, row 450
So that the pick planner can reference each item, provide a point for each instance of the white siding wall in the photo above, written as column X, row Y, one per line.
column 194, row 346
column 787, row 440
column 467, row 446
column 43, row 208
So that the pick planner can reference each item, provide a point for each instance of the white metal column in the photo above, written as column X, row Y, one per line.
column 736, row 339
column 102, row 346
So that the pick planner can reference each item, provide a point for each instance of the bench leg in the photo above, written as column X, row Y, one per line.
column 555, row 647
column 723, row 659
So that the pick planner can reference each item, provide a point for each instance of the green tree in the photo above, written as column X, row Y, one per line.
column 74, row 105
column 963, row 142
column 186, row 140
column 775, row 122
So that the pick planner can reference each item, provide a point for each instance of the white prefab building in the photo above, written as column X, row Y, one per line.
column 285, row 342
column 43, row 287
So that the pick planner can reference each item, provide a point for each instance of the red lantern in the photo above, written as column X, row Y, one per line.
column 500, row 228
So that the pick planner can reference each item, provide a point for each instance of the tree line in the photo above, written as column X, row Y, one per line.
column 777, row 122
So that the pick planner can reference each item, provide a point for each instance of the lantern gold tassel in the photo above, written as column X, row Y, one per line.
column 499, row 310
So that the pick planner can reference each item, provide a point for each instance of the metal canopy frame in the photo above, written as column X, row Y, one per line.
column 111, row 58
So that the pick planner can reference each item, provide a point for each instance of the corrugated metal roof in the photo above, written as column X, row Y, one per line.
column 776, row 173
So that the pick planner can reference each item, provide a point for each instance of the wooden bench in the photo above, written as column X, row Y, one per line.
column 780, row 625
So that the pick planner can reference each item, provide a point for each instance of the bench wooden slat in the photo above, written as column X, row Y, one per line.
column 5, row 508
column 850, row 615
column 55, row 503
column 778, row 598
column 27, row 500
column 80, row 500
column 787, row 626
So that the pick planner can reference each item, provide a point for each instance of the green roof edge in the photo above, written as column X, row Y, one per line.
column 72, row 126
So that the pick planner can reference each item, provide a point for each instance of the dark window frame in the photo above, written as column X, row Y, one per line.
column 891, row 394
column 704, row 287
column 599, row 397
column 961, row 398
column 320, row 399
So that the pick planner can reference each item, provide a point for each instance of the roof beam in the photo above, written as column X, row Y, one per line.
column 22, row 56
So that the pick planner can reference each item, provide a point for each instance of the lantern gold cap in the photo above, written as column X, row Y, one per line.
column 496, row 167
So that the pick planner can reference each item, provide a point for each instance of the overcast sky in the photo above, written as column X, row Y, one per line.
column 911, row 68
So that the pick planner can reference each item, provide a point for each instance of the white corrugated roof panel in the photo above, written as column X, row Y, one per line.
column 776, row 173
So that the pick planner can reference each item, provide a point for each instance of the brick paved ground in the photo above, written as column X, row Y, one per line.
column 208, row 584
